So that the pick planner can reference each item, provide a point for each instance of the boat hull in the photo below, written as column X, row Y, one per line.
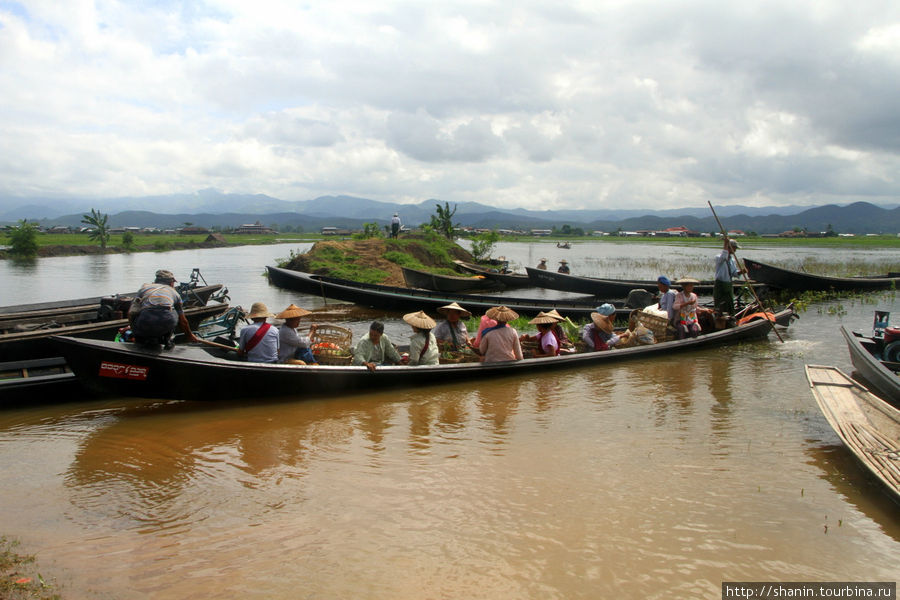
column 447, row 283
column 788, row 279
column 606, row 288
column 878, row 377
column 868, row 426
column 22, row 345
column 201, row 373
column 404, row 300
column 507, row 280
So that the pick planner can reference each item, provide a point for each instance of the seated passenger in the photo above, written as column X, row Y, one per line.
column 599, row 334
column 375, row 349
column 293, row 347
column 259, row 341
column 485, row 323
column 666, row 297
column 500, row 342
column 452, row 333
column 423, row 348
column 547, row 341
column 565, row 344
column 686, row 322
column 563, row 267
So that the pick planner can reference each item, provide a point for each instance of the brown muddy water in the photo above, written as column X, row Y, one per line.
column 648, row 479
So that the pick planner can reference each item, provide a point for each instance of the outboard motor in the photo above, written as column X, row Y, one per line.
column 113, row 307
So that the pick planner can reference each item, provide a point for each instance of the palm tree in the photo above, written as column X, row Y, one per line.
column 100, row 231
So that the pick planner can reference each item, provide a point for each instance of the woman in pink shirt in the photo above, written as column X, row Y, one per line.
column 500, row 342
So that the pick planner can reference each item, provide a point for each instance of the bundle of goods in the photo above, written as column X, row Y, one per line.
column 331, row 344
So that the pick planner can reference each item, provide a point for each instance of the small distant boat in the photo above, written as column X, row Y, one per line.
column 868, row 356
column 788, row 279
column 868, row 426
column 564, row 245
column 447, row 283
column 508, row 280
column 605, row 288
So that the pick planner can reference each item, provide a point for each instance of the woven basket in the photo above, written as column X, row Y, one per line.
column 331, row 344
column 658, row 325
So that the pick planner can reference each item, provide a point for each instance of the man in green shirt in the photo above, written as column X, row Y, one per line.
column 375, row 349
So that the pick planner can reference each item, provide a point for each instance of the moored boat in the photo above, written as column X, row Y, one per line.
column 868, row 426
column 38, row 380
column 605, row 288
column 868, row 357
column 507, row 280
column 404, row 299
column 788, row 279
column 197, row 372
column 424, row 280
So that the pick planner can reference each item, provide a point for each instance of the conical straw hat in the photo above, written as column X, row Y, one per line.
column 543, row 319
column 292, row 311
column 502, row 314
column 454, row 306
column 420, row 320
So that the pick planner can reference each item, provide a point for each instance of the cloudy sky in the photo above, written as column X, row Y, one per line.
column 533, row 104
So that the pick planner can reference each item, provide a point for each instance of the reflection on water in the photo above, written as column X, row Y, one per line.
column 654, row 478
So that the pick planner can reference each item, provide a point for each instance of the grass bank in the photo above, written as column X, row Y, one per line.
column 19, row 576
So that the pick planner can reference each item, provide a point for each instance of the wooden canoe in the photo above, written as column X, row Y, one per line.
column 604, row 288
column 199, row 372
column 415, row 278
column 33, row 342
column 507, row 280
column 788, row 279
column 38, row 380
column 868, row 426
column 405, row 299
column 881, row 376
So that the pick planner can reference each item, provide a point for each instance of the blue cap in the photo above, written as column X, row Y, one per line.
column 606, row 309
column 664, row 280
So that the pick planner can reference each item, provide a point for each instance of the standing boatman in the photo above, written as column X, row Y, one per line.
column 726, row 270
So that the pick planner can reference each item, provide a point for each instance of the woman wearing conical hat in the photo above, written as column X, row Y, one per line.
column 500, row 342
column 548, row 344
column 452, row 333
column 423, row 348
column 294, row 347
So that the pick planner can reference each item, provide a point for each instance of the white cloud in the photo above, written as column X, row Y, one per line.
column 530, row 104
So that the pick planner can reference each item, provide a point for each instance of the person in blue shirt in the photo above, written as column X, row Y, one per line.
column 666, row 296
column 726, row 270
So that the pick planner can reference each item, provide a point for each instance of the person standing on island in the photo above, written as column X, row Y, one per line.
column 156, row 310
column 726, row 271
column 395, row 225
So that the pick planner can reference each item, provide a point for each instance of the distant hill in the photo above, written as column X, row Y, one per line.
column 209, row 208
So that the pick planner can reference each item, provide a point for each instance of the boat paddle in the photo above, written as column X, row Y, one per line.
column 216, row 345
column 744, row 272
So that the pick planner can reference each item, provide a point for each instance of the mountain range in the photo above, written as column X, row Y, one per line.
column 210, row 208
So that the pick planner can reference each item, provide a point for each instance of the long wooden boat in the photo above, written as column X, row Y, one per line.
column 34, row 342
column 507, row 280
column 53, row 314
column 868, row 426
column 605, row 288
column 404, row 299
column 882, row 377
column 788, row 279
column 415, row 278
column 44, row 379
column 198, row 372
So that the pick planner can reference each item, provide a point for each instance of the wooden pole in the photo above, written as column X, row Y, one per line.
column 743, row 271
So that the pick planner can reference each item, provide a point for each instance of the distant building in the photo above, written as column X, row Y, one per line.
column 541, row 232
column 255, row 228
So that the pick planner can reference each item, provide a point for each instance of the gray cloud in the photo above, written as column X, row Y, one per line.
column 531, row 104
